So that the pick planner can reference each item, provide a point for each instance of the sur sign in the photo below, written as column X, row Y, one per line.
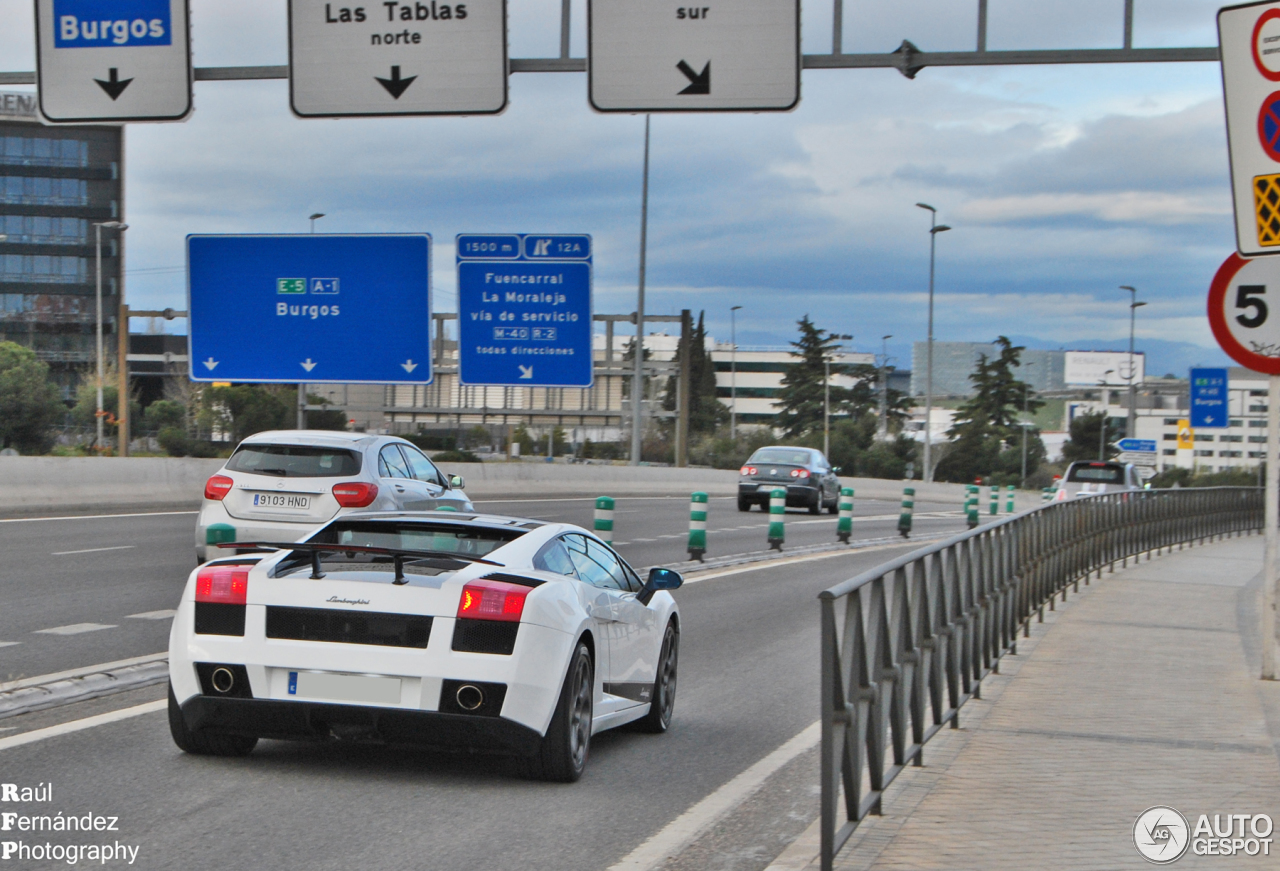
column 524, row 310
column 1249, row 44
column 113, row 60
column 435, row 57
column 310, row 308
column 668, row 56
column 1242, row 303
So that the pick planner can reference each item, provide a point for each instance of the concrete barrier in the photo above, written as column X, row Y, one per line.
column 41, row 485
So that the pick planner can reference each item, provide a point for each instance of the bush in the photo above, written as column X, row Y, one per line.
column 433, row 441
column 455, row 457
column 165, row 414
column 173, row 440
column 1180, row 477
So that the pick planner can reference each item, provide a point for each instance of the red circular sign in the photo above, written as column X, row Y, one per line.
column 1269, row 15
column 1249, row 331
column 1269, row 124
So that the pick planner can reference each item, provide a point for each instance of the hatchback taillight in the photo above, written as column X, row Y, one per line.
column 799, row 473
column 492, row 600
column 355, row 494
column 747, row 470
column 217, row 487
column 225, row 585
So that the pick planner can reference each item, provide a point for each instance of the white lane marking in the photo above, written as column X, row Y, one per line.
column 8, row 728
column 97, row 516
column 75, row 629
column 93, row 550
column 787, row 561
column 9, row 643
column 80, row 725
column 153, row 615
column 81, row 672
column 686, row 827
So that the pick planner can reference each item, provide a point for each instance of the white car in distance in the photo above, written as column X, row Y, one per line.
column 280, row 485
column 462, row 631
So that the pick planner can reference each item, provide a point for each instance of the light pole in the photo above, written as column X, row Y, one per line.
column 315, row 217
column 1102, row 436
column 826, row 395
column 934, row 229
column 97, row 230
column 302, row 388
column 884, row 388
column 1134, row 305
column 733, row 373
column 637, row 382
column 1026, row 396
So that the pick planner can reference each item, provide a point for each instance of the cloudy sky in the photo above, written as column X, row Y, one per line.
column 1061, row 182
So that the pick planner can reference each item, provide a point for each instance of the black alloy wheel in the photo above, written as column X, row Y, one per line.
column 663, row 702
column 563, row 754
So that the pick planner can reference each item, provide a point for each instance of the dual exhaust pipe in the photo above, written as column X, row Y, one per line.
column 469, row 697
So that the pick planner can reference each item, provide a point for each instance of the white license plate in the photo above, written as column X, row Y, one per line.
column 771, row 487
column 330, row 687
column 281, row 500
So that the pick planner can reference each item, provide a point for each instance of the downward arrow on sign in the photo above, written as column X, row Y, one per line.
column 408, row 365
column 114, row 86
column 308, row 365
column 211, row 364
column 395, row 85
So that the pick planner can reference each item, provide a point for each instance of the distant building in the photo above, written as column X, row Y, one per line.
column 759, row 378
column 954, row 362
column 55, row 182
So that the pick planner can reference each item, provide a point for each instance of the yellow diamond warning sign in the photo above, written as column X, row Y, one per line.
column 1266, row 203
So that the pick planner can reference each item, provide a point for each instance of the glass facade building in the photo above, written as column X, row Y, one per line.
column 55, row 183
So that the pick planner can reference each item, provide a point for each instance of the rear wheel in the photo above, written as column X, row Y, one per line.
column 205, row 742
column 834, row 507
column 818, row 499
column 563, row 754
column 744, row 504
column 663, row 702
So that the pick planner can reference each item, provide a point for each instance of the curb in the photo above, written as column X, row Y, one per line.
column 51, row 691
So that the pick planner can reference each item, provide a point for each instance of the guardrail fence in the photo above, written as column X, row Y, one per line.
column 907, row 643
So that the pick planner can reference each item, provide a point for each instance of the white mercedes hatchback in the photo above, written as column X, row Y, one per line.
column 280, row 485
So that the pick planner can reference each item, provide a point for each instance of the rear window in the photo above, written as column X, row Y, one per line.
column 788, row 456
column 441, row 537
column 295, row 461
column 1097, row 474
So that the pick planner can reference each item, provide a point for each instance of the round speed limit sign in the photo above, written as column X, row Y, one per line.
column 1244, row 311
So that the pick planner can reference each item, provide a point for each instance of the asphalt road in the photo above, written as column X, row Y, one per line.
column 87, row 590
column 748, row 683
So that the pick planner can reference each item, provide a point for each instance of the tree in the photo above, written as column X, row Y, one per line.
column 1085, row 436
column 251, row 408
column 706, row 412
column 987, row 423
column 29, row 403
column 164, row 413
column 803, row 386
column 330, row 418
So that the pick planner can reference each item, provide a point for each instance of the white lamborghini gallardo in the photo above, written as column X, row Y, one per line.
column 428, row 628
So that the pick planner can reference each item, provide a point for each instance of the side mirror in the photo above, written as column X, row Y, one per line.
column 659, row 579
column 836, row 469
column 457, row 482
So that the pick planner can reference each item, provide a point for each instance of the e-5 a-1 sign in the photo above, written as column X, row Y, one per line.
column 422, row 57
column 113, row 60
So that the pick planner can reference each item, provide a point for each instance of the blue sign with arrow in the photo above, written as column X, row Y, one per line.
column 308, row 308
column 524, row 310
column 1209, row 398
column 1140, row 446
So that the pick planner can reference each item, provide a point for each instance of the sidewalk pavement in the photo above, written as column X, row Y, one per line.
column 1143, row 690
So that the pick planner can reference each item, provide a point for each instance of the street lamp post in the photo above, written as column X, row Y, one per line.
column 733, row 373
column 97, row 230
column 884, row 388
column 302, row 388
column 637, row 388
column 315, row 217
column 826, row 397
column 1026, row 397
column 1134, row 305
column 934, row 229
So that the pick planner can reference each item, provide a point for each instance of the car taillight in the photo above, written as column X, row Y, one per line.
column 217, row 487
column 355, row 494
column 492, row 600
column 799, row 473
column 226, row 585
column 747, row 470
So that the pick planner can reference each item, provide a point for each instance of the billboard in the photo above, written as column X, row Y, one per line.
column 1106, row 368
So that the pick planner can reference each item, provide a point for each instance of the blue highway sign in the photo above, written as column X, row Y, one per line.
column 1141, row 446
column 524, row 310
column 310, row 308
column 1209, row 398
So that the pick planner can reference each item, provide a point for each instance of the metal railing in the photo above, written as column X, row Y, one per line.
column 907, row 643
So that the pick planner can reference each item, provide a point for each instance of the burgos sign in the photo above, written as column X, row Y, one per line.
column 94, row 24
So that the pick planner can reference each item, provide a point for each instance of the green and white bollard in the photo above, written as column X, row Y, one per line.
column 908, row 505
column 777, row 521
column 1008, row 506
column 995, row 500
column 1046, row 494
column 697, row 526
column 971, row 504
column 604, row 519
column 844, row 526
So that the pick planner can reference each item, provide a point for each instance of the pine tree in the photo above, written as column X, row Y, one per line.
column 706, row 412
column 800, row 398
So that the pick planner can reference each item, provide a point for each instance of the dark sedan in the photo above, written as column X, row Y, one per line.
column 809, row 479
